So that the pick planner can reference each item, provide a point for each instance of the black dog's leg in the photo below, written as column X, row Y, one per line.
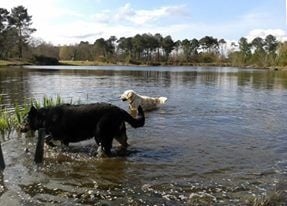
column 39, row 153
column 107, row 150
column 107, row 145
column 97, row 140
column 104, row 145
column 2, row 163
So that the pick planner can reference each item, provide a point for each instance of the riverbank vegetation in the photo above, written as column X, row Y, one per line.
column 18, row 47
column 11, row 118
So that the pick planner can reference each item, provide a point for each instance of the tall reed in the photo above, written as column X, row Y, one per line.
column 7, row 121
column 13, row 118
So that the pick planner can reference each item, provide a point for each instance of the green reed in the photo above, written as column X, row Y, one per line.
column 49, row 101
column 7, row 121
column 13, row 118
column 4, row 122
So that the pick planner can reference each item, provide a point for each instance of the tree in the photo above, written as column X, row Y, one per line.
column 282, row 54
column 149, row 45
column 4, row 14
column 125, row 47
column 159, row 40
column 83, row 51
column 258, row 43
column 21, row 21
column 67, row 53
column 138, row 46
column 111, row 46
column 100, row 47
column 177, row 46
column 45, row 49
column 222, row 46
column 194, row 43
column 209, row 44
column 259, row 55
column 167, row 45
column 245, row 49
column 271, row 44
column 186, row 47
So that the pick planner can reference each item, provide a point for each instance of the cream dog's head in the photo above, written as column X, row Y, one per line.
column 128, row 95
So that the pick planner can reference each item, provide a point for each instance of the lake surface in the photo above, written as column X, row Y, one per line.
column 221, row 138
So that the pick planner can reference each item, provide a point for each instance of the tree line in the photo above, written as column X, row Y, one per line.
column 153, row 49
column 15, row 32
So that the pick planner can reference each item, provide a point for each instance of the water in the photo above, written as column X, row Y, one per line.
column 221, row 139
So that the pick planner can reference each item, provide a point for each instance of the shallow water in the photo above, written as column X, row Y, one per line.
column 220, row 139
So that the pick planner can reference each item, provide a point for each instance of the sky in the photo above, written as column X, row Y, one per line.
column 64, row 22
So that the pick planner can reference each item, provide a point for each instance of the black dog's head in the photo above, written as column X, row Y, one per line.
column 33, row 120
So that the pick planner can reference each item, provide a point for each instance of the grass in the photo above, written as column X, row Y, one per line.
column 13, row 63
column 12, row 119
column 84, row 63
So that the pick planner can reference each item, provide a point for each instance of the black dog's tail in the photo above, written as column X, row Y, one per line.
column 139, row 121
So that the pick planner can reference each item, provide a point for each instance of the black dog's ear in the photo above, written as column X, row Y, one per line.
column 33, row 109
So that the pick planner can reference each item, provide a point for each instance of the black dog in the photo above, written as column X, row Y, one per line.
column 74, row 123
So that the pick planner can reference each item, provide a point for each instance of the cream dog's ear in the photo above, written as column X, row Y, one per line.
column 130, row 95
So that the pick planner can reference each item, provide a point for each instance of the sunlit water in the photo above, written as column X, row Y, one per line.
column 220, row 139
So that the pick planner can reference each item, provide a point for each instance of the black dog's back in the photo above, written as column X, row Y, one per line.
column 86, row 115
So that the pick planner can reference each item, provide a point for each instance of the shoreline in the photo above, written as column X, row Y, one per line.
column 10, row 63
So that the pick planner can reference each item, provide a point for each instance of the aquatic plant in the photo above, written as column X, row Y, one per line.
column 7, row 121
column 49, row 101
column 20, row 112
column 13, row 118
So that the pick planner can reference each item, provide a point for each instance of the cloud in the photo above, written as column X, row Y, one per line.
column 251, row 24
column 128, row 15
column 123, row 21
column 149, row 16
column 103, row 17
column 85, row 36
column 280, row 34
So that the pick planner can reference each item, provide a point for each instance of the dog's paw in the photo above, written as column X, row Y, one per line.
column 101, row 153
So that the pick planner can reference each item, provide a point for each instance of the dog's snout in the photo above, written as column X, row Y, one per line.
column 123, row 98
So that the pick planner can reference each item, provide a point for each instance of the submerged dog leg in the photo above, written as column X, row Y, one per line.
column 100, row 152
column 2, row 163
column 39, row 153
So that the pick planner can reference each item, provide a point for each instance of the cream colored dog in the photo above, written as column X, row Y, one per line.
column 147, row 103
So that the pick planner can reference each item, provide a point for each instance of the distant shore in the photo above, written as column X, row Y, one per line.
column 13, row 63
column 8, row 63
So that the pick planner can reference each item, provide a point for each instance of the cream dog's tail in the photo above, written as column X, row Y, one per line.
column 162, row 100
